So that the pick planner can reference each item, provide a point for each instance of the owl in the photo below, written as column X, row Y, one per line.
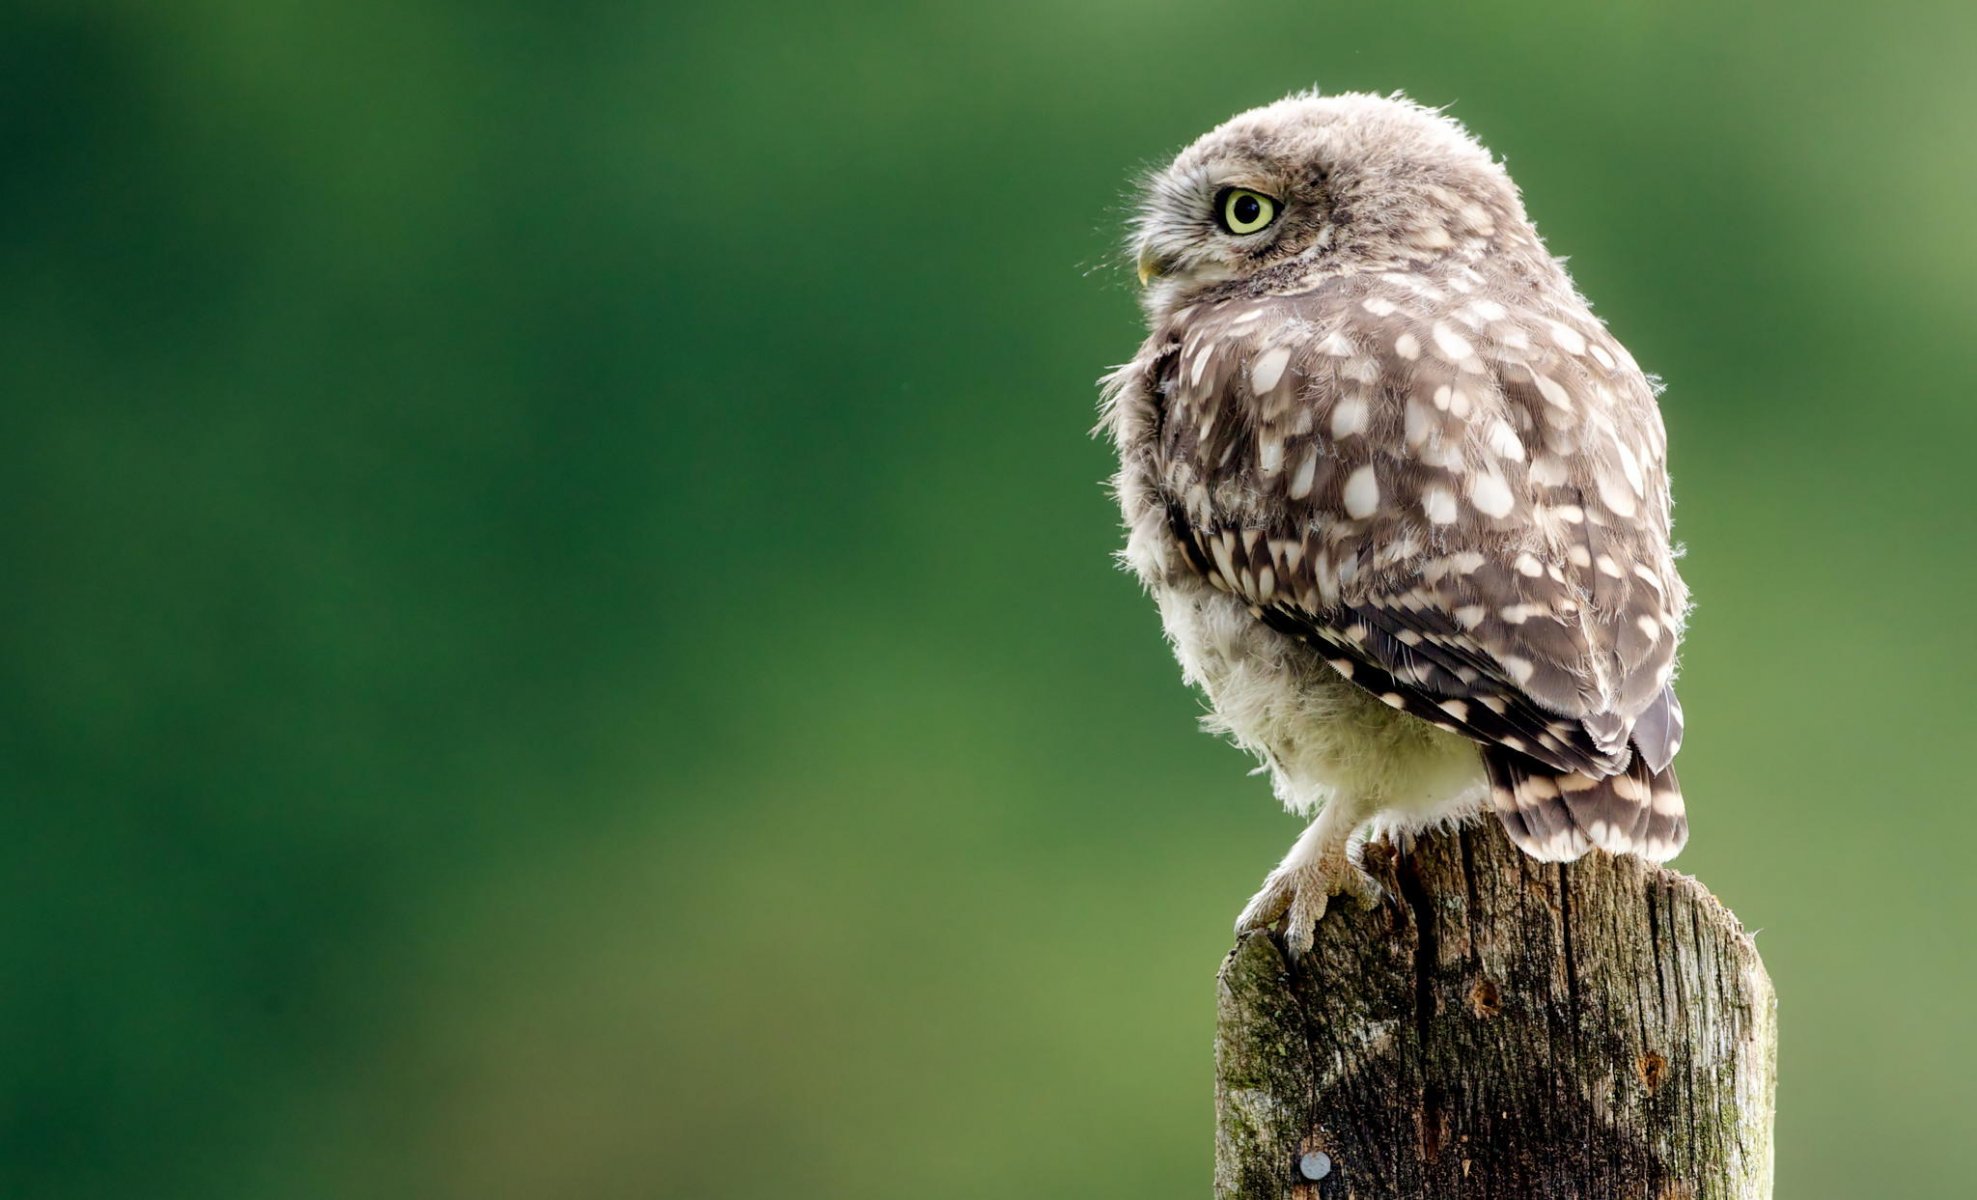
column 1401, row 499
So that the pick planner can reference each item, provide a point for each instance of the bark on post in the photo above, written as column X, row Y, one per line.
column 1501, row 1028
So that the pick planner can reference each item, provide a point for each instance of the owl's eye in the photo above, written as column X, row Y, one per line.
column 1242, row 211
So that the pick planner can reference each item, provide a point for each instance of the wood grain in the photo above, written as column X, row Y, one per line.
column 1501, row 1028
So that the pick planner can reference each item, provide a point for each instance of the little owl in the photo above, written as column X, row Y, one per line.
column 1401, row 498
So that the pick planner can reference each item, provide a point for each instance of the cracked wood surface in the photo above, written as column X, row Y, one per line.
column 1501, row 1028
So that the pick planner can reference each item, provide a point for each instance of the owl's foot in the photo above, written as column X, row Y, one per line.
column 1299, row 891
column 1298, row 895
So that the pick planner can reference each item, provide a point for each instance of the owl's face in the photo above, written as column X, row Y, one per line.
column 1225, row 212
column 1314, row 185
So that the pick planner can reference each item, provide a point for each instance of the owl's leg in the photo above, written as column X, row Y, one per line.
column 1319, row 866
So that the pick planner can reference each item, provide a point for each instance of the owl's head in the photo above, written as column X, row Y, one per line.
column 1313, row 185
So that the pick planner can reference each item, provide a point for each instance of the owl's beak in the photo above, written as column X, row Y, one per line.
column 1152, row 264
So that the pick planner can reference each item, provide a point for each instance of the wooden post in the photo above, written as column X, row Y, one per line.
column 1500, row 1028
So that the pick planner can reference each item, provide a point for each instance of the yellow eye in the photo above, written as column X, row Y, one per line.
column 1244, row 211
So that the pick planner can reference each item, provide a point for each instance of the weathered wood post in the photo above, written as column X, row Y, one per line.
column 1502, row 1028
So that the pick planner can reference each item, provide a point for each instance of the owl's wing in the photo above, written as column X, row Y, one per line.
column 1461, row 505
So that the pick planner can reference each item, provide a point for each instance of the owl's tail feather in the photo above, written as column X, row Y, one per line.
column 1557, row 817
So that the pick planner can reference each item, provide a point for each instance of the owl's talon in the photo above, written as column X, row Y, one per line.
column 1268, row 906
column 1298, row 896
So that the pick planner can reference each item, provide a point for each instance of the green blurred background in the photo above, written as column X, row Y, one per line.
column 559, row 638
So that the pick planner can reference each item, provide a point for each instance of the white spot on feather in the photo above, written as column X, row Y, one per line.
column 1490, row 495
column 1568, row 338
column 1439, row 504
column 1548, row 471
column 1503, row 440
column 1307, row 470
column 1350, row 416
column 1361, row 370
column 1616, row 496
column 1418, row 422
column 1451, row 345
column 1554, row 393
column 1224, row 560
column 1630, row 465
column 1268, row 368
column 1362, row 492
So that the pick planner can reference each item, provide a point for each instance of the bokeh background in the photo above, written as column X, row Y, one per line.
column 558, row 637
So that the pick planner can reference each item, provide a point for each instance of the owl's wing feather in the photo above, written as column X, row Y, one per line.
column 1432, row 674
column 1460, row 503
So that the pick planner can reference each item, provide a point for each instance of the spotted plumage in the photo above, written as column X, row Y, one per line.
column 1382, row 448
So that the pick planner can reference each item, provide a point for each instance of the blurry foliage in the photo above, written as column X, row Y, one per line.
column 560, row 639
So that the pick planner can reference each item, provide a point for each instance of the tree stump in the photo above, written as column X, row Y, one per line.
column 1500, row 1027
